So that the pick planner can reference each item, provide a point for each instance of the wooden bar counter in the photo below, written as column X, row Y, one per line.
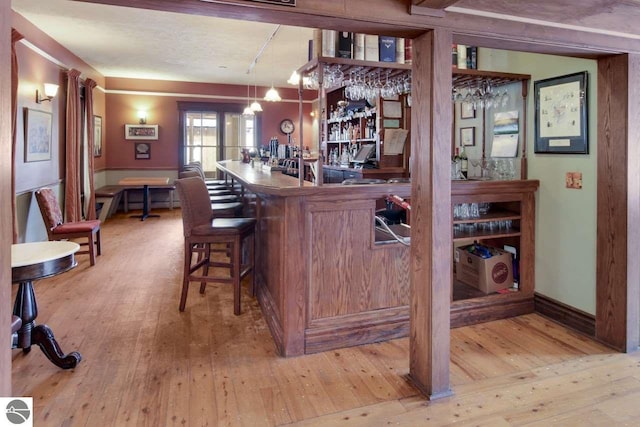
column 323, row 281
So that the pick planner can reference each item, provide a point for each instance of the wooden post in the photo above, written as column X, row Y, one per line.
column 617, row 267
column 431, row 213
column 523, row 160
column 6, row 230
column 301, row 127
column 322, row 126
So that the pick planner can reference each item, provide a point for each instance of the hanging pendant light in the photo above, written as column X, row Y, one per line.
column 248, row 112
column 294, row 80
column 272, row 95
column 255, row 106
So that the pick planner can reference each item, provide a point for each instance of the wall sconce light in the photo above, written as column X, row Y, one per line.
column 142, row 117
column 50, row 91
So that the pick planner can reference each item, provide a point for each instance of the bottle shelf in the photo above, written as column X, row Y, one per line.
column 348, row 119
column 459, row 235
column 491, row 216
column 344, row 141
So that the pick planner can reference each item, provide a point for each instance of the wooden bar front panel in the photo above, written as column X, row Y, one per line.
column 348, row 274
column 324, row 284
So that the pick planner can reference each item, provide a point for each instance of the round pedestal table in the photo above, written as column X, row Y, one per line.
column 33, row 261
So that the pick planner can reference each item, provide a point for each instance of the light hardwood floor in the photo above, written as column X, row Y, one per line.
column 145, row 363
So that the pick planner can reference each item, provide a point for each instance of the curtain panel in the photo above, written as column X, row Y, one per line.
column 72, row 202
column 89, row 85
column 15, row 37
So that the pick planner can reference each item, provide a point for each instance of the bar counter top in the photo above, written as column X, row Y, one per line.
column 262, row 180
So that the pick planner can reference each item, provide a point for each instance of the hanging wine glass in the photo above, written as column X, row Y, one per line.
column 505, row 98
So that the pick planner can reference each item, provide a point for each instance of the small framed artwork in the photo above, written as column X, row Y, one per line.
column 37, row 135
column 391, row 123
column 97, row 136
column 561, row 114
column 142, row 151
column 148, row 132
column 468, row 136
column 467, row 111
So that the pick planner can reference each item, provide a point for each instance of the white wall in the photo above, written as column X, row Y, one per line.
column 565, row 219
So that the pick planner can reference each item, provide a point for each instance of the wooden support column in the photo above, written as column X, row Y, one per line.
column 431, row 213
column 618, row 238
column 6, row 226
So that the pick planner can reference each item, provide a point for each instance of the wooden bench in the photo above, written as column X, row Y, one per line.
column 110, row 196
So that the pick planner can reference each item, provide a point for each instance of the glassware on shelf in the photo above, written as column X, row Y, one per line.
column 483, row 208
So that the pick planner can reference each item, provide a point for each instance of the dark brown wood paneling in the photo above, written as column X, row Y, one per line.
column 618, row 222
column 565, row 314
column 270, row 235
column 6, row 227
column 431, row 213
column 633, row 208
column 295, row 277
column 357, row 329
column 488, row 309
column 348, row 273
column 271, row 317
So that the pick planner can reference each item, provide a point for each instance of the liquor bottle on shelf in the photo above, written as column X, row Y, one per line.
column 464, row 163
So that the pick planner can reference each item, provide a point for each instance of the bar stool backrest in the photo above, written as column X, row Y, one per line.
column 195, row 203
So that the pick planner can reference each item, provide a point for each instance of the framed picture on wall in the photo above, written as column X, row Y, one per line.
column 467, row 111
column 142, row 151
column 468, row 136
column 561, row 114
column 97, row 136
column 148, row 132
column 37, row 135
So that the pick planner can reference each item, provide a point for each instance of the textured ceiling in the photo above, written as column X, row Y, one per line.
column 127, row 42
column 604, row 16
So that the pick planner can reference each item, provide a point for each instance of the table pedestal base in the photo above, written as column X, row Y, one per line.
column 29, row 334
column 145, row 205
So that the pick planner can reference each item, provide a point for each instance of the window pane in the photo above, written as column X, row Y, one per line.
column 239, row 132
column 201, row 138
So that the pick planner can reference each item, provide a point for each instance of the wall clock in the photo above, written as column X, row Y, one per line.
column 287, row 127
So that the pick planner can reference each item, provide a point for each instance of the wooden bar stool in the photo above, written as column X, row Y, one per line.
column 201, row 231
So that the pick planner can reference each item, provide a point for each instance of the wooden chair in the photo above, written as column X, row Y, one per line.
column 201, row 230
column 58, row 230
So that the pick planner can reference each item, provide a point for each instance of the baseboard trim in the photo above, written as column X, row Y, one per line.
column 566, row 315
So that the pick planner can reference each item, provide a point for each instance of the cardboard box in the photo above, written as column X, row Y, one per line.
column 487, row 274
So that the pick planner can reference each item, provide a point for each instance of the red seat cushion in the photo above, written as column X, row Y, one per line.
column 77, row 227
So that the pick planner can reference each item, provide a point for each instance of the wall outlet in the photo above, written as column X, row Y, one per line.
column 573, row 180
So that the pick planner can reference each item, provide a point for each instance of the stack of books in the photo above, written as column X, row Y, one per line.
column 364, row 47
column 464, row 57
